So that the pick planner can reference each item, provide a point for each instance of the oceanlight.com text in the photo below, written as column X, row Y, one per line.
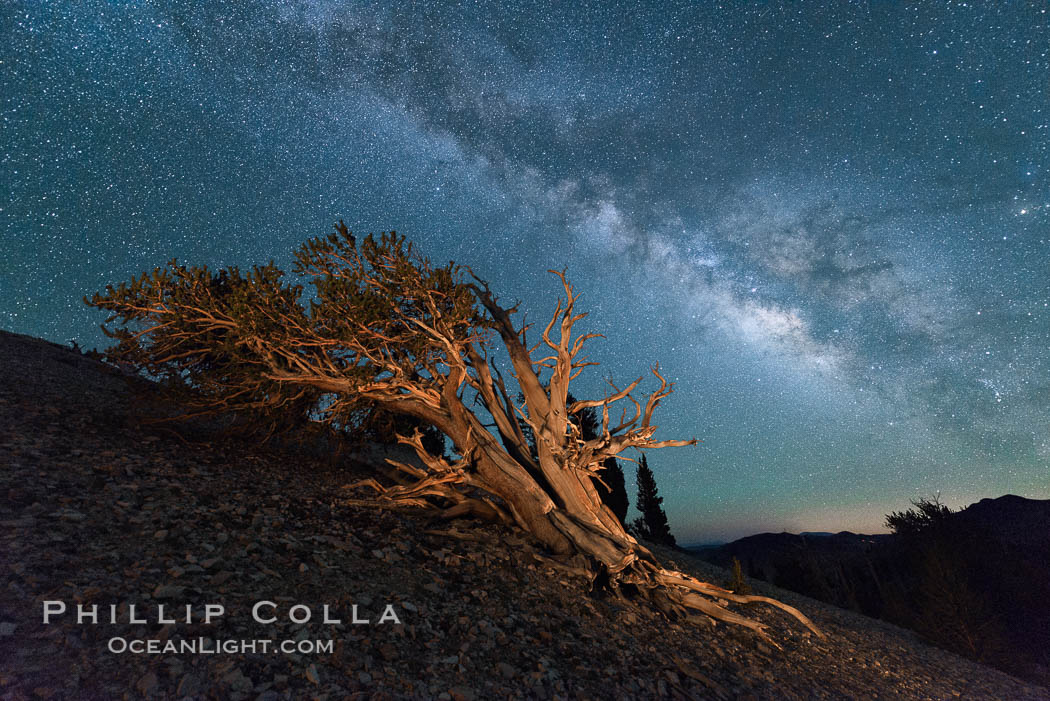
column 207, row 646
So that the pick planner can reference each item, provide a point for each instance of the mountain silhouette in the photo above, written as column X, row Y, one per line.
column 978, row 583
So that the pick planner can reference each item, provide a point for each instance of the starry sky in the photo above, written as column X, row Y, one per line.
column 829, row 222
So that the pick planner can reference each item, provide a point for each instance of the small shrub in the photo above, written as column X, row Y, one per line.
column 739, row 584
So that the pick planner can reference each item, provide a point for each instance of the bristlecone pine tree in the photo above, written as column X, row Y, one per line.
column 609, row 481
column 387, row 328
column 653, row 523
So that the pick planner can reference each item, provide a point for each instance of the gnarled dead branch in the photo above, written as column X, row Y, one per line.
column 386, row 328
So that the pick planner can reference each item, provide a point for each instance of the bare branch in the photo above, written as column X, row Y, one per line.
column 387, row 329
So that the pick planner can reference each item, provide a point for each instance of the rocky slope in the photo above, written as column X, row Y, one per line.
column 96, row 508
column 977, row 583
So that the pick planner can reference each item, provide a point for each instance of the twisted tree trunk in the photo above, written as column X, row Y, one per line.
column 552, row 496
column 388, row 329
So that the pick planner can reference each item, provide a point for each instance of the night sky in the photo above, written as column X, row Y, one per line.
column 830, row 223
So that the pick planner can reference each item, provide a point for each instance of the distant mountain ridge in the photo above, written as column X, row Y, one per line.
column 979, row 582
column 715, row 544
column 1013, row 519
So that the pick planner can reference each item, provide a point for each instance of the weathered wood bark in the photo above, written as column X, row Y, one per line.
column 389, row 329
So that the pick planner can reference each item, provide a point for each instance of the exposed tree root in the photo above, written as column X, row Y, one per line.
column 610, row 561
column 459, row 535
column 683, row 580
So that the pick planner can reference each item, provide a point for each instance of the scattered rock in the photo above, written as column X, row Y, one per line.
column 237, row 523
column 462, row 693
column 147, row 684
column 168, row 591
column 237, row 681
column 221, row 578
column 189, row 685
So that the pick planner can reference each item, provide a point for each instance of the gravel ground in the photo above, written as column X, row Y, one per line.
column 98, row 509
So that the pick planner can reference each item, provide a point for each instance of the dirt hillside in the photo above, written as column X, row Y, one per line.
column 98, row 509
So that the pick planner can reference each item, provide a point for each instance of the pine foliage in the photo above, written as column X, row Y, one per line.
column 653, row 523
column 926, row 514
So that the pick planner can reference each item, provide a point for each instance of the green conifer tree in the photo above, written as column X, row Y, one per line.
column 653, row 523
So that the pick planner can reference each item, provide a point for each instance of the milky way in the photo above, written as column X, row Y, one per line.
column 830, row 224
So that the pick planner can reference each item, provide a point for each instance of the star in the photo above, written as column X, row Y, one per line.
column 799, row 194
